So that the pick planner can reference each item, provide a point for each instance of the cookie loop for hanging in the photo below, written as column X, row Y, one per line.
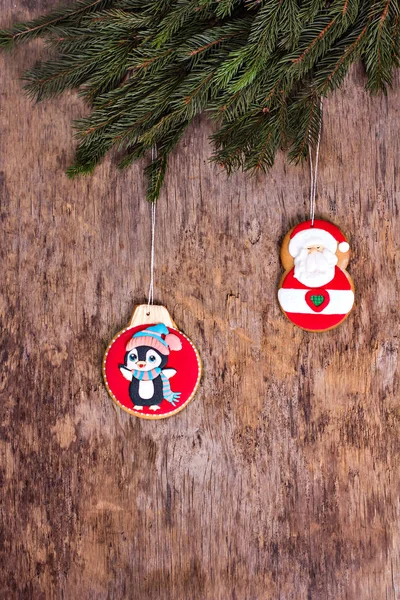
column 314, row 169
column 153, row 229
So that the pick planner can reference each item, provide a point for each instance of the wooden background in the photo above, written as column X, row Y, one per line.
column 281, row 479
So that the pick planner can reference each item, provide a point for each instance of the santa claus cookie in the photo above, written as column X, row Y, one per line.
column 316, row 293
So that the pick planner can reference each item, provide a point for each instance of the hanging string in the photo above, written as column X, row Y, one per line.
column 314, row 169
column 153, row 229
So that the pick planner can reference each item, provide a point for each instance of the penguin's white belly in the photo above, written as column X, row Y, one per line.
column 146, row 389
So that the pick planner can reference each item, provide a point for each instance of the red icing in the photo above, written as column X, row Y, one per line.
column 317, row 292
column 339, row 282
column 320, row 224
column 185, row 380
column 315, row 322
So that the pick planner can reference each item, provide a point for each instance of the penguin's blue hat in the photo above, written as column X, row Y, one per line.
column 153, row 336
column 154, row 331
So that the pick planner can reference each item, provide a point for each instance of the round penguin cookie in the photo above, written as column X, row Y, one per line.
column 151, row 370
column 315, row 293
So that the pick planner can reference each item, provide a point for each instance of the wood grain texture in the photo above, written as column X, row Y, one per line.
column 281, row 479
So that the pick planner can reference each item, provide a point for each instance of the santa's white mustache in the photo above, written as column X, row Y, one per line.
column 316, row 262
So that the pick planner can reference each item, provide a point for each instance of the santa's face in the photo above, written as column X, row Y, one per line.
column 314, row 266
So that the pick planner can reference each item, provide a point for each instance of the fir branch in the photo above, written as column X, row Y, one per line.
column 156, row 170
column 304, row 122
column 258, row 67
column 380, row 58
column 332, row 70
column 23, row 32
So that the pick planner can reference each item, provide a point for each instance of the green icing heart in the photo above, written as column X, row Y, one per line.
column 317, row 300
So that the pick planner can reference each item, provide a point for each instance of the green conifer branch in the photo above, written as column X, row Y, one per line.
column 257, row 67
column 23, row 32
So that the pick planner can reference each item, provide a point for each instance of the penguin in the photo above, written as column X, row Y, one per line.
column 144, row 365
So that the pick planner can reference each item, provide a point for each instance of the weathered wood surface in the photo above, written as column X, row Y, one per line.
column 281, row 479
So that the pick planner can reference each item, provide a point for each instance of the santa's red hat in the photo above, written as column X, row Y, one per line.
column 321, row 232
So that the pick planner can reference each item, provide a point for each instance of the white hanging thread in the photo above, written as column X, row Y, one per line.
column 153, row 229
column 314, row 171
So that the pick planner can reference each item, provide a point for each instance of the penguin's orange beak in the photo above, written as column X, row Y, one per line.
column 141, row 364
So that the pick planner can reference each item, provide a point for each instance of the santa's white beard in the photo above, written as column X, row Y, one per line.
column 316, row 269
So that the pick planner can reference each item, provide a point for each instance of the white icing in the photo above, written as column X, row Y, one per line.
column 169, row 373
column 292, row 300
column 315, row 269
column 126, row 373
column 310, row 237
column 146, row 389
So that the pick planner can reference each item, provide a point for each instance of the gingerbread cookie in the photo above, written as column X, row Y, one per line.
column 151, row 369
column 316, row 293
